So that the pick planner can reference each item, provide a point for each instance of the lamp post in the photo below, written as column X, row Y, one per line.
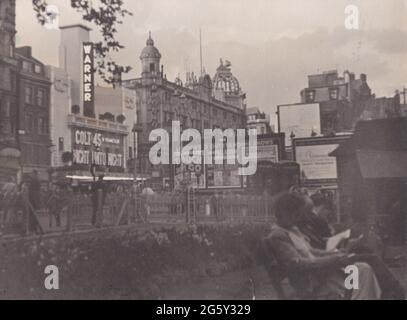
column 292, row 137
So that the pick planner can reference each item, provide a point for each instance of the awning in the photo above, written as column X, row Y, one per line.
column 10, row 153
column 376, row 164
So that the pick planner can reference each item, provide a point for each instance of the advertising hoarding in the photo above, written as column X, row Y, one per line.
column 312, row 154
column 96, row 147
column 299, row 119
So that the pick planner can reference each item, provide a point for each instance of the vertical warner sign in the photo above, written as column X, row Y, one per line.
column 88, row 80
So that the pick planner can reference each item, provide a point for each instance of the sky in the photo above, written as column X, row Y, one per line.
column 272, row 44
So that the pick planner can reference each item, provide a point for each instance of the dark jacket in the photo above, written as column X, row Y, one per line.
column 34, row 193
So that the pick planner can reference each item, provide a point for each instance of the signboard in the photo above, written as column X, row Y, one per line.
column 193, row 174
column 92, row 147
column 299, row 119
column 269, row 147
column 312, row 154
column 223, row 176
column 88, row 80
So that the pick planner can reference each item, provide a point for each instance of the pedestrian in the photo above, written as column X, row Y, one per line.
column 147, row 194
column 55, row 204
column 215, row 205
column 98, row 190
column 8, row 194
column 34, row 198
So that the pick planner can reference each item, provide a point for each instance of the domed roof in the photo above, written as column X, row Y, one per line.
column 224, row 79
column 150, row 51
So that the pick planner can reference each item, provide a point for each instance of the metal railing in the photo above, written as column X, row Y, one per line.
column 84, row 211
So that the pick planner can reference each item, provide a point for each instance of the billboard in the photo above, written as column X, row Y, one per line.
column 103, row 149
column 312, row 154
column 270, row 147
column 223, row 176
column 300, row 119
column 193, row 174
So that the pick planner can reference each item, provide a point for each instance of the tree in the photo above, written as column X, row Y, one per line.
column 120, row 118
column 75, row 109
column 67, row 157
column 106, row 16
column 108, row 116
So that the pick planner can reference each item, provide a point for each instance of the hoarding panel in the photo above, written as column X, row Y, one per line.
column 312, row 154
column 300, row 119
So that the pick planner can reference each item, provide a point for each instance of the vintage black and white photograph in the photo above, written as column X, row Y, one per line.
column 203, row 150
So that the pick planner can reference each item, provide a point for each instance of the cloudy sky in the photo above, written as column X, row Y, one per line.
column 273, row 44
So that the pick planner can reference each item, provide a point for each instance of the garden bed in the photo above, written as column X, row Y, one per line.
column 132, row 263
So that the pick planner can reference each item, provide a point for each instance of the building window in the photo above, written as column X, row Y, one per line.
column 40, row 97
column 152, row 67
column 28, row 95
column 310, row 95
column 29, row 123
column 130, row 152
column 333, row 93
column 37, row 69
column 184, row 121
column 27, row 66
column 5, row 123
column 42, row 126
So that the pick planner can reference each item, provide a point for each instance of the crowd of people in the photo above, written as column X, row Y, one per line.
column 29, row 196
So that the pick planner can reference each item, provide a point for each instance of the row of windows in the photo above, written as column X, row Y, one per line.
column 333, row 94
column 195, row 123
column 195, row 106
column 36, row 125
column 32, row 67
column 36, row 97
column 8, row 80
column 6, row 122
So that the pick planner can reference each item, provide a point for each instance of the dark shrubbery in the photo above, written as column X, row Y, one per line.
column 131, row 263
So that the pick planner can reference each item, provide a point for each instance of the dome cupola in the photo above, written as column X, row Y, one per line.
column 224, row 79
column 150, row 58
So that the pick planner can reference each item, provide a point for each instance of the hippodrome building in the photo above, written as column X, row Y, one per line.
column 201, row 103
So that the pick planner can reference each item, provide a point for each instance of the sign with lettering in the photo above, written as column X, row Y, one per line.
column 312, row 154
column 91, row 147
column 88, row 80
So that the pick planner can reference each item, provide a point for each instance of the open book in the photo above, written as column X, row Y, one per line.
column 333, row 242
